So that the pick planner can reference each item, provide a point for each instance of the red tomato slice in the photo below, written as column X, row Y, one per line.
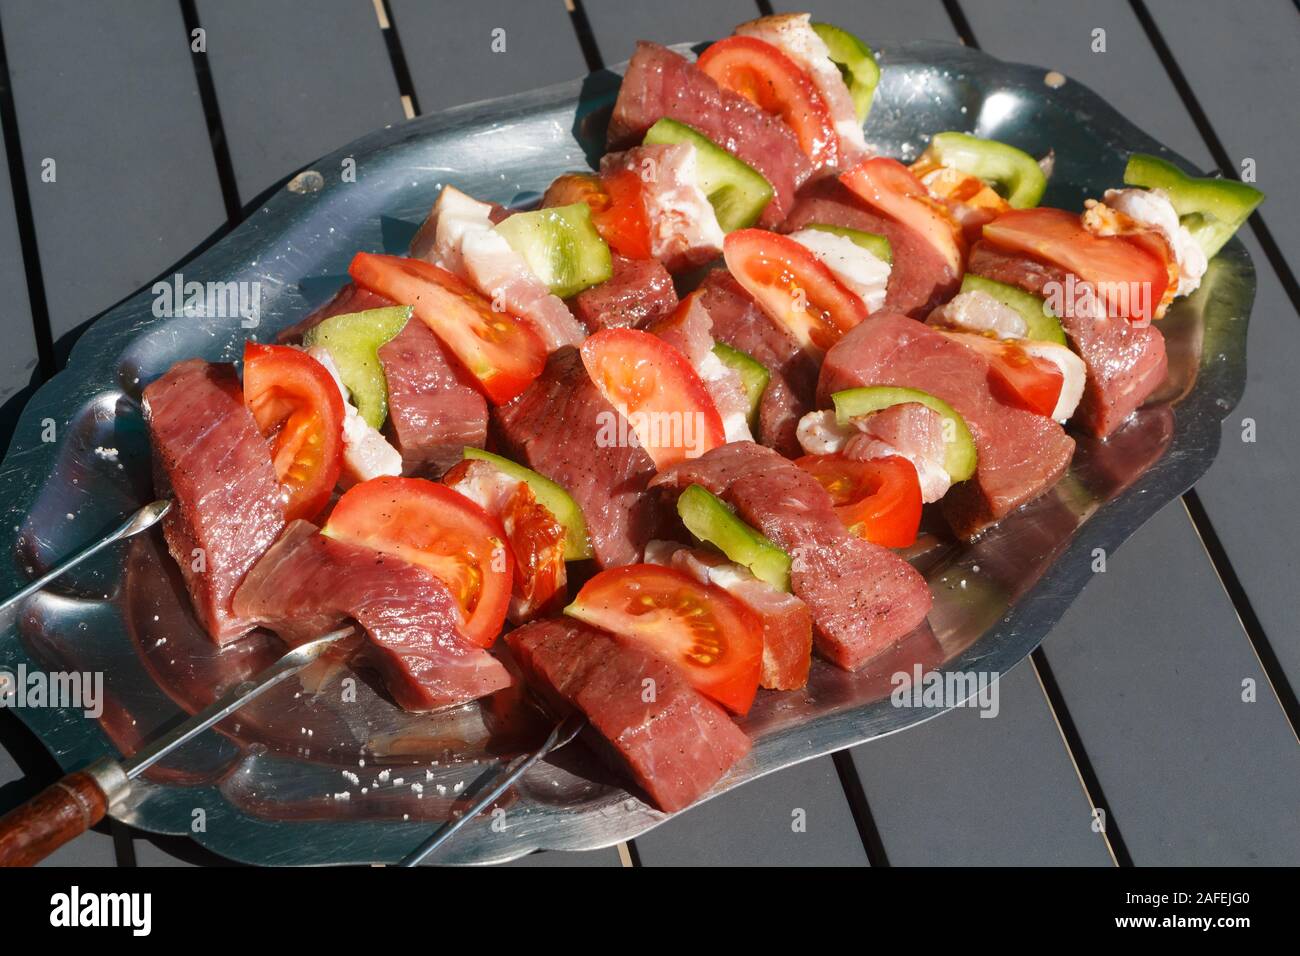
column 715, row 640
column 440, row 530
column 890, row 188
column 499, row 349
column 878, row 499
column 1128, row 274
column 774, row 83
column 793, row 286
column 536, row 540
column 1016, row 377
column 298, row 408
column 652, row 385
column 616, row 204
column 623, row 224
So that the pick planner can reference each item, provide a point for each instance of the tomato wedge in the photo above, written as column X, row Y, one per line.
column 657, row 391
column 499, row 349
column 1018, row 378
column 299, row 409
column 624, row 224
column 536, row 536
column 715, row 640
column 793, row 286
column 878, row 499
column 616, row 204
column 1127, row 272
column 774, row 83
column 440, row 530
column 890, row 188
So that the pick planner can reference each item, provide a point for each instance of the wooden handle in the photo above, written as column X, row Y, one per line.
column 62, row 811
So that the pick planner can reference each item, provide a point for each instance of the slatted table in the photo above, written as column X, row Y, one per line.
column 1134, row 703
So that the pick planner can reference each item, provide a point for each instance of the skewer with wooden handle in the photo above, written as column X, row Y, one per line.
column 71, row 806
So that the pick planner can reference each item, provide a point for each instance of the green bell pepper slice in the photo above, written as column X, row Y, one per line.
column 353, row 341
column 710, row 519
column 1015, row 174
column 1211, row 209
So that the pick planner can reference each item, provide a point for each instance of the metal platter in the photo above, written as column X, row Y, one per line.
column 326, row 770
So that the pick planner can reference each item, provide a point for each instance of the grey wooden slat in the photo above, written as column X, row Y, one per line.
column 1130, row 652
column 448, row 48
column 1059, row 36
column 968, row 790
column 617, row 25
column 754, row 825
column 881, row 22
column 606, row 857
column 150, row 853
column 18, row 364
column 108, row 92
column 294, row 83
column 1247, row 493
column 1241, row 64
column 1194, row 774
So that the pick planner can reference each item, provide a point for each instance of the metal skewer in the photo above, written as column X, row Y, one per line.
column 146, row 517
column 562, row 734
column 72, row 805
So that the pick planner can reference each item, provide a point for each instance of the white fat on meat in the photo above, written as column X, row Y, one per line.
column 793, row 35
column 366, row 453
column 683, row 224
column 1153, row 208
column 466, row 243
column 977, row 311
column 866, row 275
column 1073, row 372
column 728, row 393
column 725, row 574
column 487, row 486
column 819, row 433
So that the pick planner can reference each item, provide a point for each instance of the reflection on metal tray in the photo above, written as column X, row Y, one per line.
column 311, row 774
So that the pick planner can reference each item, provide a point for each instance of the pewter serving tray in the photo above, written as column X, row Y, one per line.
column 310, row 773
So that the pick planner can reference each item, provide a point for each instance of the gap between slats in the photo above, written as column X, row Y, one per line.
column 212, row 115
column 586, row 36
column 401, row 71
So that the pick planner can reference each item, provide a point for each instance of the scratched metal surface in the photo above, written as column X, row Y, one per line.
column 272, row 784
